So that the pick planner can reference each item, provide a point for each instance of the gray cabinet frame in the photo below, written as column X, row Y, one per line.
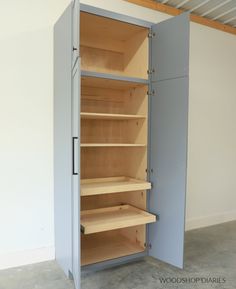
column 65, row 209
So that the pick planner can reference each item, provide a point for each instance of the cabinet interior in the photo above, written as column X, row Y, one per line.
column 112, row 46
column 114, row 136
column 127, row 101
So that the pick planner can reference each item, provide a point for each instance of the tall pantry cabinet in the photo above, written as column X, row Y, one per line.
column 120, row 138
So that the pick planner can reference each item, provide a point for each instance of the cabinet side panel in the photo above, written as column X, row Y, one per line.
column 62, row 139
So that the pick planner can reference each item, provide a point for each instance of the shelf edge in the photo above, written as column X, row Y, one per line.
column 87, row 73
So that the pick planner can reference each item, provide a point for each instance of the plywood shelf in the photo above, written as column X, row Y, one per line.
column 107, row 80
column 106, row 246
column 94, row 145
column 110, row 116
column 111, row 185
column 111, row 218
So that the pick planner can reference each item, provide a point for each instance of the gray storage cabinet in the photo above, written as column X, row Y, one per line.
column 120, row 138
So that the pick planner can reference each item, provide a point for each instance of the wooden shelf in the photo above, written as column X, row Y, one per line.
column 111, row 218
column 94, row 145
column 106, row 80
column 110, row 116
column 111, row 185
column 105, row 246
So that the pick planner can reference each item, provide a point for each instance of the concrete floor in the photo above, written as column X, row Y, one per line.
column 210, row 252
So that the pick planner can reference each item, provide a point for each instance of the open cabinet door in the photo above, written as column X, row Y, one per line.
column 76, row 173
column 168, row 138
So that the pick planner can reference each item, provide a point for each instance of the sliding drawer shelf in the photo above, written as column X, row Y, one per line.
column 96, row 145
column 109, row 116
column 105, row 246
column 90, row 187
column 106, row 219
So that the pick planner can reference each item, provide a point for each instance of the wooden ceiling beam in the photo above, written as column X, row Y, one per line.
column 164, row 8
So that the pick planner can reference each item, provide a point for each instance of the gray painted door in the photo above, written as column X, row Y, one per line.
column 76, row 173
column 62, row 140
column 76, row 31
column 170, row 47
column 168, row 138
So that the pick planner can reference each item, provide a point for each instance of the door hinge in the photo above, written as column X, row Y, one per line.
column 149, row 171
column 151, row 92
column 151, row 34
column 151, row 71
column 148, row 245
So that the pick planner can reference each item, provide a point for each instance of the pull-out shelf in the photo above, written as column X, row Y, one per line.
column 99, row 186
column 111, row 218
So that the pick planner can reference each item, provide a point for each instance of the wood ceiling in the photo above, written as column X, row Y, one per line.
column 218, row 14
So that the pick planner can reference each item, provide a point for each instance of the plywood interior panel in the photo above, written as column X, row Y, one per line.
column 136, row 163
column 104, row 246
column 102, row 162
column 92, row 25
column 136, row 48
column 114, row 131
column 129, row 100
column 112, row 46
column 135, row 198
column 100, row 60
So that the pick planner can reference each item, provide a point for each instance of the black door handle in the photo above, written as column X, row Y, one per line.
column 73, row 156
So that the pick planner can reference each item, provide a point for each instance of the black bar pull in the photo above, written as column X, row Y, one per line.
column 73, row 156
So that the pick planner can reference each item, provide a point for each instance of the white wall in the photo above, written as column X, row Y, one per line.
column 26, row 89
column 26, row 183
column 211, row 194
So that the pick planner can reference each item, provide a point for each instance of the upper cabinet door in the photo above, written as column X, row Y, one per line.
column 76, row 30
column 170, row 46
column 168, row 138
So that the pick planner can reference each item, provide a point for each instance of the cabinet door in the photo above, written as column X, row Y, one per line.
column 168, row 138
column 62, row 140
column 76, row 31
column 170, row 48
column 76, row 173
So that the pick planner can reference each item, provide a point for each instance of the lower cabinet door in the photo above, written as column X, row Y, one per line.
column 76, row 173
column 168, row 163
